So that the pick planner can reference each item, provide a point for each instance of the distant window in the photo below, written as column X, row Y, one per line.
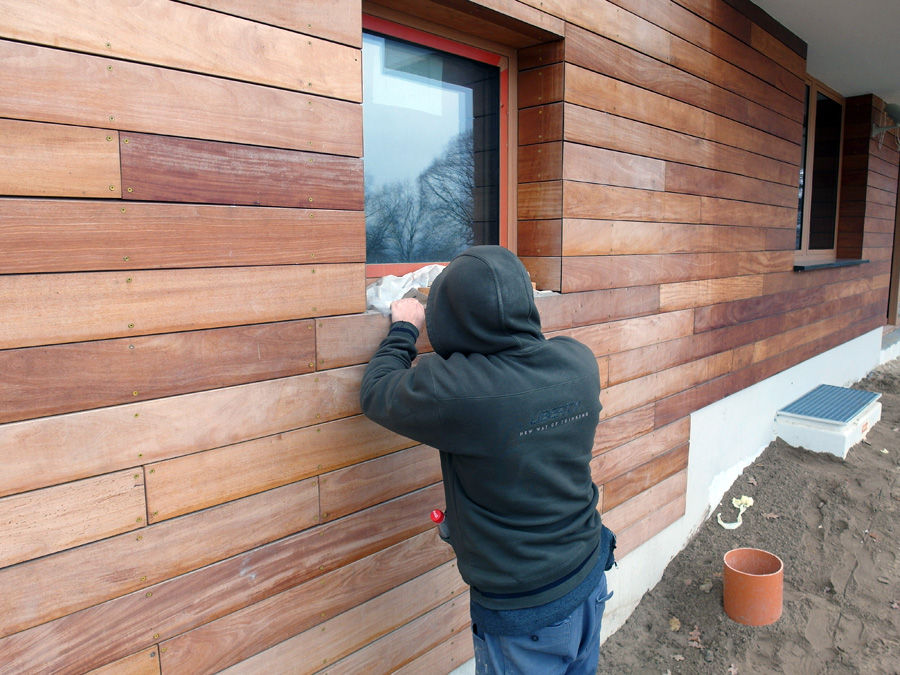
column 432, row 150
column 820, row 173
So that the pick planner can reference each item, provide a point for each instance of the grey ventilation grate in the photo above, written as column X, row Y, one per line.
column 831, row 404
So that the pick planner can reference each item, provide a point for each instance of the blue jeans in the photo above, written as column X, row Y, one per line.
column 570, row 647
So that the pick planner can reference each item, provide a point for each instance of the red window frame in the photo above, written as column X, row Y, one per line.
column 385, row 27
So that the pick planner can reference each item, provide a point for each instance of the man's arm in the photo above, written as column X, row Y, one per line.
column 390, row 393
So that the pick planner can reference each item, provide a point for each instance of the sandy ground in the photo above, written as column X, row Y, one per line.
column 833, row 522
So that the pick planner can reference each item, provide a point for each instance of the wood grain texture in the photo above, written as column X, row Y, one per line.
column 631, row 537
column 709, row 183
column 541, row 124
column 159, row 168
column 377, row 480
column 681, row 295
column 646, row 502
column 607, row 167
column 338, row 20
column 52, row 450
column 68, row 88
column 593, row 272
column 53, row 519
column 537, row 201
column 619, row 398
column 625, row 458
column 138, row 620
column 203, row 479
column 145, row 662
column 404, row 644
column 50, row 160
column 582, row 237
column 453, row 653
column 64, row 583
column 189, row 38
column 248, row 631
column 545, row 272
column 599, row 92
column 617, row 336
column 37, row 309
column 593, row 127
column 645, row 477
column 340, row 636
column 699, row 78
column 541, row 85
column 581, row 309
column 614, row 431
column 539, row 162
column 56, row 379
column 604, row 202
column 538, row 238
column 72, row 236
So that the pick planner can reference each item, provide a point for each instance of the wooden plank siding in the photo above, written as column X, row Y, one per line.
column 187, row 483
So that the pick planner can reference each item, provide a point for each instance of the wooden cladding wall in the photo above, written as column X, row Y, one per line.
column 187, row 484
column 659, row 157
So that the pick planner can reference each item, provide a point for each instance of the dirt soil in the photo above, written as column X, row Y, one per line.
column 833, row 522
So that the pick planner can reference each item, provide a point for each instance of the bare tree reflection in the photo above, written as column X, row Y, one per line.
column 426, row 219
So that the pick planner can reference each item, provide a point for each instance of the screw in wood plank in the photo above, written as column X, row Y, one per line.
column 125, row 141
column 131, row 325
column 130, row 346
column 139, row 520
column 128, row 280
column 112, row 118
column 131, row 189
column 143, row 578
column 109, row 138
column 112, row 188
column 109, row 67
column 134, row 393
column 125, row 257
column 140, row 537
column 155, row 635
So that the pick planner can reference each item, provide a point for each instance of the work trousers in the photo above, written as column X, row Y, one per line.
column 570, row 647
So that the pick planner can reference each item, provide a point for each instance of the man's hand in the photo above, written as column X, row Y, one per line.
column 409, row 310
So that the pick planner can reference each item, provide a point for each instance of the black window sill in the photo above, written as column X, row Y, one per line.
column 828, row 265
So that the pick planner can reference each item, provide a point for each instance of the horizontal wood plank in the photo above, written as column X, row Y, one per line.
column 450, row 654
column 72, row 236
column 541, row 85
column 593, row 127
column 541, row 124
column 40, row 381
column 327, row 643
column 202, row 479
column 138, row 620
column 64, row 87
column 537, row 201
column 186, row 37
column 642, row 531
column 645, row 503
column 604, row 202
column 617, row 336
column 38, row 309
column 625, row 458
column 52, row 450
column 618, row 237
column 582, row 309
column 539, row 162
column 145, row 662
column 538, row 238
column 53, row 519
column 644, row 477
column 51, row 160
column 545, row 272
column 608, row 167
column 248, row 631
column 338, row 20
column 625, row 396
column 593, row 90
column 682, row 295
column 377, row 480
column 407, row 642
column 614, row 431
column 160, row 168
column 53, row 586
column 706, row 182
column 582, row 273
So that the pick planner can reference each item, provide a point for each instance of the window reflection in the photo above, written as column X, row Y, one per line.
column 431, row 125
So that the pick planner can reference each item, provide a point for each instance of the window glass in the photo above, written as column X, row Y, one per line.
column 826, row 173
column 431, row 130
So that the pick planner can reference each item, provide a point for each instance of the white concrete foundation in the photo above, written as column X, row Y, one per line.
column 726, row 437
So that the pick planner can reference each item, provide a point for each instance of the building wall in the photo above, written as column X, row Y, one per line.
column 187, row 483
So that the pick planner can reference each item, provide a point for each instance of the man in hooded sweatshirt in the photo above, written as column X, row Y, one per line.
column 513, row 415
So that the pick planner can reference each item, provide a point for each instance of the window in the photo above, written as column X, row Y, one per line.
column 434, row 130
column 820, row 173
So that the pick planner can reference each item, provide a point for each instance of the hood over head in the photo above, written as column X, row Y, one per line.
column 482, row 302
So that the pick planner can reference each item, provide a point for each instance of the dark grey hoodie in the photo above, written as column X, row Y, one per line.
column 513, row 415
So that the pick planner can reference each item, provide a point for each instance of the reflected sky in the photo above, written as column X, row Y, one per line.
column 411, row 114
